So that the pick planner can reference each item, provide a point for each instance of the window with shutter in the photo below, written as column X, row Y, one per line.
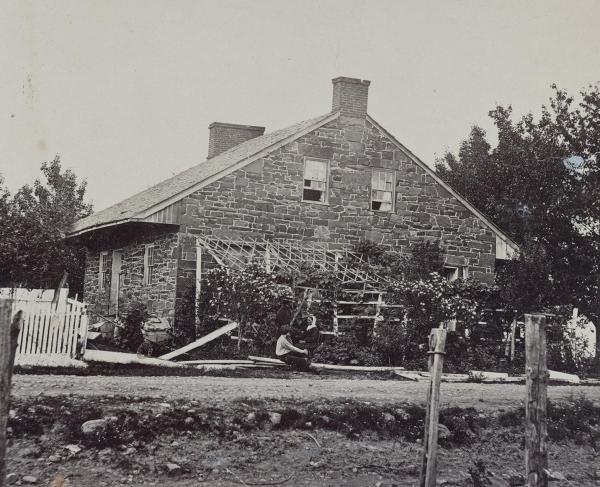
column 316, row 178
column 149, row 265
column 382, row 191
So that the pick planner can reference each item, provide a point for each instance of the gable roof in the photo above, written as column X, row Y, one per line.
column 148, row 201
column 514, row 248
column 145, row 203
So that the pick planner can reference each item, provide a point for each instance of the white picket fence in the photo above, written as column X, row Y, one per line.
column 46, row 329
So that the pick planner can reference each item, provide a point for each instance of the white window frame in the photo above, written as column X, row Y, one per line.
column 309, row 187
column 149, row 264
column 392, row 190
column 103, row 270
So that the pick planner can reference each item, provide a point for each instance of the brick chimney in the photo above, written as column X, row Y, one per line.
column 350, row 96
column 223, row 136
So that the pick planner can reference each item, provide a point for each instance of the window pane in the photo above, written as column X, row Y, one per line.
column 315, row 170
column 382, row 180
column 313, row 195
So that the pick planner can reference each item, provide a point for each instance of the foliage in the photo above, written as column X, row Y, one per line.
column 425, row 257
column 129, row 335
column 184, row 330
column 347, row 349
column 250, row 296
column 577, row 418
column 33, row 252
column 424, row 304
column 480, row 476
column 540, row 184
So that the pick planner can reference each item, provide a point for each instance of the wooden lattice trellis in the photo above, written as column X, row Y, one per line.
column 337, row 260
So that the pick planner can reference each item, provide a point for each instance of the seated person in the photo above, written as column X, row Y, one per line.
column 312, row 336
column 288, row 353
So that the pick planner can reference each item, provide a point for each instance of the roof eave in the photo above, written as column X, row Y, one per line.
column 240, row 164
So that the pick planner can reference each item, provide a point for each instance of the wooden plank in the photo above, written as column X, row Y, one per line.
column 83, row 329
column 356, row 368
column 563, row 377
column 217, row 362
column 201, row 341
column 361, row 317
column 126, row 358
column 266, row 360
column 536, row 449
column 33, row 332
column 438, row 350
column 68, row 329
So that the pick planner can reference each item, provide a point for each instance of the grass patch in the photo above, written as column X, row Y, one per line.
column 144, row 419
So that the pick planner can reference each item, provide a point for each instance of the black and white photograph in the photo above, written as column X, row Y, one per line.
column 299, row 243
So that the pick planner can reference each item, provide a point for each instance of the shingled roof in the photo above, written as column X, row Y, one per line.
column 137, row 206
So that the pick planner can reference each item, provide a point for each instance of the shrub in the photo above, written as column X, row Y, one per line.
column 577, row 418
column 184, row 329
column 512, row 417
column 346, row 349
column 129, row 335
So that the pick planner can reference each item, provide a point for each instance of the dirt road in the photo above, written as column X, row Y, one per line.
column 218, row 389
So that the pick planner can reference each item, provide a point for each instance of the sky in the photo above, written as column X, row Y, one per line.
column 124, row 90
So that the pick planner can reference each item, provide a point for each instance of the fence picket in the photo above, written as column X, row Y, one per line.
column 46, row 330
column 30, row 336
column 43, row 330
column 71, row 328
column 65, row 330
column 44, row 340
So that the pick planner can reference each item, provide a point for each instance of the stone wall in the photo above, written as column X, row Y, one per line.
column 264, row 199
column 159, row 296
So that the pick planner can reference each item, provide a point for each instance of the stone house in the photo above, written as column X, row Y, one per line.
column 335, row 179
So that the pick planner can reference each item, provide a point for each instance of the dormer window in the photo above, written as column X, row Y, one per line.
column 382, row 191
column 316, row 180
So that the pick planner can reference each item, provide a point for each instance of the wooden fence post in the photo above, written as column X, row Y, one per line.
column 536, row 452
column 9, row 334
column 513, row 331
column 437, row 347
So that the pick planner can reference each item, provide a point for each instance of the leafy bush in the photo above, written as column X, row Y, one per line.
column 250, row 296
column 578, row 418
column 129, row 335
column 184, row 329
column 346, row 349
column 512, row 417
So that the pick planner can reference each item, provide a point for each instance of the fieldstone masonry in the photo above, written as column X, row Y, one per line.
column 264, row 199
column 159, row 297
column 267, row 202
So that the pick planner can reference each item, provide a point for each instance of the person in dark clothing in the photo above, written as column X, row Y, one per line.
column 284, row 314
column 312, row 336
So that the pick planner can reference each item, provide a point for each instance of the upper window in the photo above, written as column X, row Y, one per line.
column 316, row 178
column 382, row 191
column 149, row 265
column 103, row 282
column 454, row 273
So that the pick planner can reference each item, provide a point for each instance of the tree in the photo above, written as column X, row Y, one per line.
column 33, row 251
column 540, row 184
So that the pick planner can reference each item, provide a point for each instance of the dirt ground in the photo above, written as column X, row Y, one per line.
column 237, row 444
column 302, row 386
